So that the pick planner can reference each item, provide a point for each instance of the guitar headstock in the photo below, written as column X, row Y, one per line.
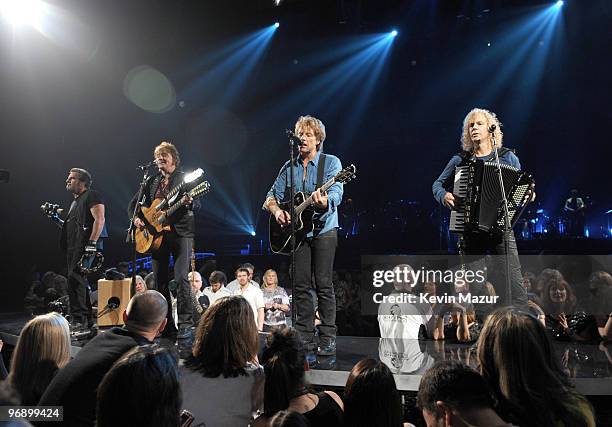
column 346, row 174
column 200, row 189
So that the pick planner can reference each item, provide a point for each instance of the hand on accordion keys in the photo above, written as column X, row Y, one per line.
column 449, row 200
column 531, row 195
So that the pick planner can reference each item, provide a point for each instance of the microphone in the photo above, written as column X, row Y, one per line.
column 492, row 128
column 293, row 137
column 147, row 166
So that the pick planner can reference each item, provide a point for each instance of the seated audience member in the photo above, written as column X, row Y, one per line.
column 43, row 348
column 600, row 298
column 606, row 331
column 285, row 388
column 371, row 398
column 200, row 300
column 217, row 287
column 460, row 320
column 10, row 397
column 547, row 275
column 276, row 301
column 150, row 281
column 289, row 419
column 140, row 286
column 3, row 371
column 222, row 382
column 517, row 361
column 453, row 394
column 559, row 304
column 529, row 280
column 141, row 389
column 75, row 386
column 404, row 319
column 252, row 294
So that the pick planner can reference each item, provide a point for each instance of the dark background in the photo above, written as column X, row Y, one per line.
column 63, row 104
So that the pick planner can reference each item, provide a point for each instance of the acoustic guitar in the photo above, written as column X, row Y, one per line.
column 150, row 237
column 280, row 236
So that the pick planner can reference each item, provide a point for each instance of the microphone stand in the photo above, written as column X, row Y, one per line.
column 292, row 215
column 131, row 234
column 507, row 228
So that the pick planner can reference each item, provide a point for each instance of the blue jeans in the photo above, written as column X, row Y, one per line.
column 315, row 258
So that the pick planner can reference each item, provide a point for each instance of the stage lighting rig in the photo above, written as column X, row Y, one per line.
column 22, row 12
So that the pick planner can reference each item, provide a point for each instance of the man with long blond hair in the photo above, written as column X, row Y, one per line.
column 319, row 249
column 477, row 143
column 177, row 242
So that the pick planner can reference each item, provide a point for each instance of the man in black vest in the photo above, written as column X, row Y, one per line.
column 177, row 242
column 80, row 233
column 316, row 254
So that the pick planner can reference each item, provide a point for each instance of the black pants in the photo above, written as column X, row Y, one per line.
column 476, row 247
column 316, row 258
column 180, row 249
column 78, row 289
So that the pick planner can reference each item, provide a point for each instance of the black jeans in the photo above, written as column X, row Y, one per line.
column 180, row 248
column 78, row 288
column 316, row 258
column 477, row 247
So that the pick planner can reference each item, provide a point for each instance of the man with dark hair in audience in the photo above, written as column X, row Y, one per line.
column 252, row 294
column 453, row 394
column 75, row 386
column 233, row 286
column 217, row 287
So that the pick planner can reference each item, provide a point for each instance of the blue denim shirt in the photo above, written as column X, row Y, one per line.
column 508, row 158
column 326, row 220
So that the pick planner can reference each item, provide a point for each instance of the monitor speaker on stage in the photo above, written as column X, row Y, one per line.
column 113, row 298
column 5, row 176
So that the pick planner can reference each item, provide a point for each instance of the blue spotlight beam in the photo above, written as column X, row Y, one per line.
column 238, row 61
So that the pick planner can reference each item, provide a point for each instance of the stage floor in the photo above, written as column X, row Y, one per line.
column 588, row 365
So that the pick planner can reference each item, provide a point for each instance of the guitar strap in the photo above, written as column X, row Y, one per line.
column 321, row 170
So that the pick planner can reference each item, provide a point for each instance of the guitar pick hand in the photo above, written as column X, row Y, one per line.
column 282, row 217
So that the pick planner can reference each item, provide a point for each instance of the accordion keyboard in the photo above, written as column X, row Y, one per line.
column 460, row 189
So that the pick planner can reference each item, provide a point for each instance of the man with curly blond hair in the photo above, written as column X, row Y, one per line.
column 477, row 143
column 318, row 251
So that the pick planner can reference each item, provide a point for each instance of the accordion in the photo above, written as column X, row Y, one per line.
column 479, row 206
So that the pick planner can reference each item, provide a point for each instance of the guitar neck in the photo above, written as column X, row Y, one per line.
column 196, row 192
column 306, row 203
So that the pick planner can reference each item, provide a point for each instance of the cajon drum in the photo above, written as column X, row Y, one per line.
column 113, row 298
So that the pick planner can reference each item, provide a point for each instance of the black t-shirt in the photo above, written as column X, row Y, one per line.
column 79, row 220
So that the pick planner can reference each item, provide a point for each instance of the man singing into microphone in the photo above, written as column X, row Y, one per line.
column 316, row 254
column 176, row 242
column 479, row 126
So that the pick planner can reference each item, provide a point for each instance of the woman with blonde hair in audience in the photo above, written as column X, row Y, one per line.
column 42, row 349
column 517, row 361
column 276, row 301
column 222, row 382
